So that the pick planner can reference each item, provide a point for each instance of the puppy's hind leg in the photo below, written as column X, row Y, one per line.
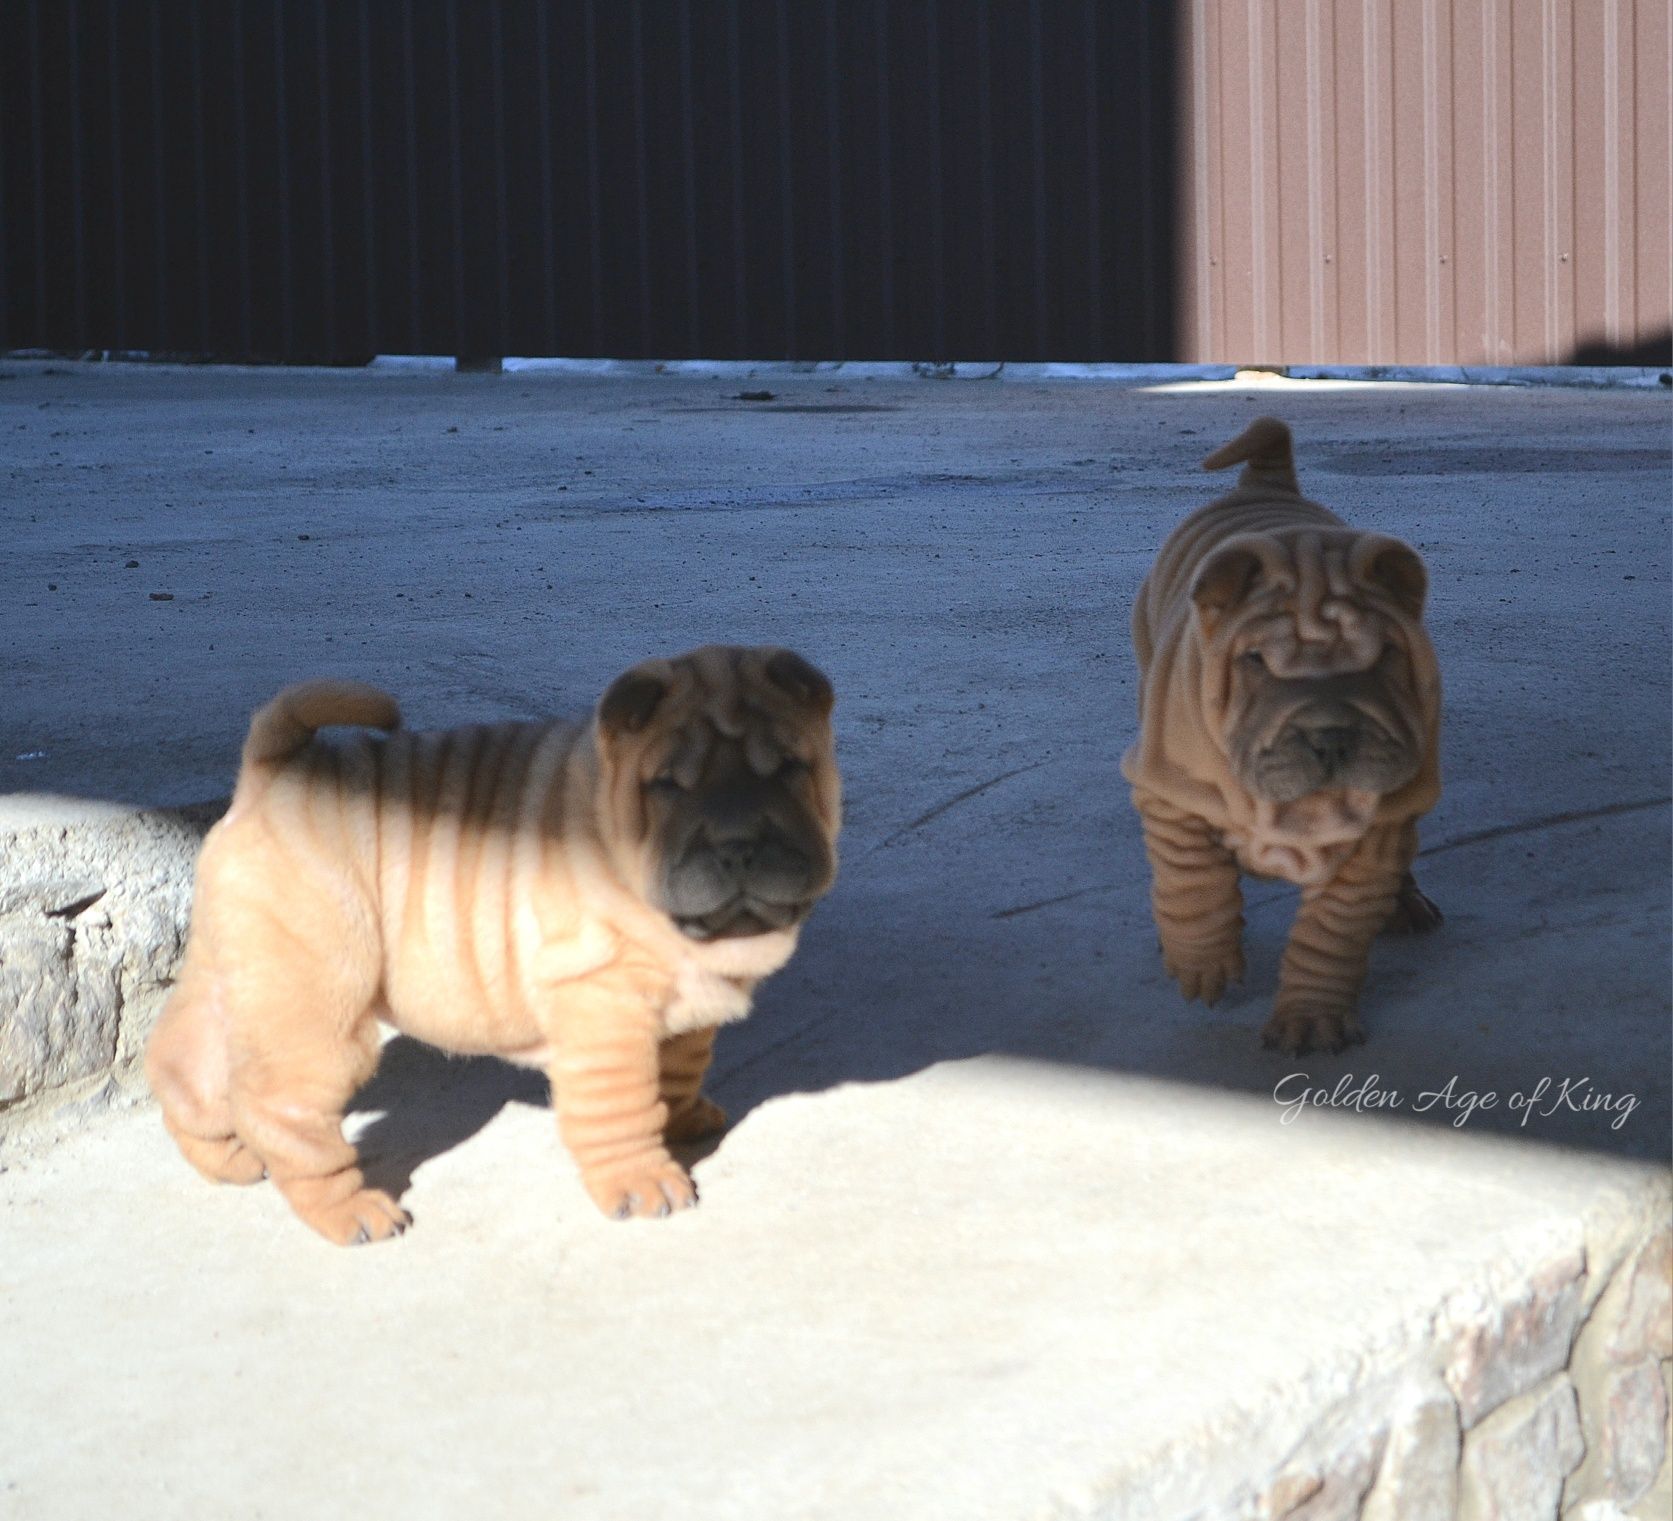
column 186, row 1064
column 1415, row 913
column 302, row 1044
column 682, row 1061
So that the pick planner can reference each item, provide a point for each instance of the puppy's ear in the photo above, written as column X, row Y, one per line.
column 787, row 670
column 1225, row 580
column 631, row 699
column 1394, row 569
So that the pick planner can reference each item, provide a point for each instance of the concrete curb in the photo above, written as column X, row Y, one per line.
column 1540, row 1387
column 1586, row 377
column 1205, row 1324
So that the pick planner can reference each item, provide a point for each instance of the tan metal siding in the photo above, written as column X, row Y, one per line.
column 1650, row 125
column 1426, row 181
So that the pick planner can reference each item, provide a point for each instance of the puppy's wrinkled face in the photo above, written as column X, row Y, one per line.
column 1310, row 644
column 722, row 782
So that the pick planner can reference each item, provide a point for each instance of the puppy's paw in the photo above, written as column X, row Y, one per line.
column 1299, row 1027
column 1414, row 911
column 1204, row 974
column 658, row 1189
column 701, row 1117
column 369, row 1215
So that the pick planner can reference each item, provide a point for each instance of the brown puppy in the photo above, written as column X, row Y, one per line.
column 592, row 899
column 1289, row 717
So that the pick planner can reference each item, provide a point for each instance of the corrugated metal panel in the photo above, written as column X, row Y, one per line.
column 326, row 179
column 1257, row 181
column 1427, row 181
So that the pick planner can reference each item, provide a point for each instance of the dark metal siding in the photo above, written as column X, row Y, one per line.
column 1347, row 181
column 653, row 178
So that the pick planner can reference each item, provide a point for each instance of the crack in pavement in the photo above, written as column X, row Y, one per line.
column 902, row 490
column 1526, row 826
column 952, row 802
column 1546, row 821
column 1079, row 892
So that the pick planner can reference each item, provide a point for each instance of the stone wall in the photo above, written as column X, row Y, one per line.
column 1533, row 1401
column 94, row 902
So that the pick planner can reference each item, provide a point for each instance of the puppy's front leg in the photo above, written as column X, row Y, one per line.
column 1330, row 945
column 606, row 1090
column 1196, row 900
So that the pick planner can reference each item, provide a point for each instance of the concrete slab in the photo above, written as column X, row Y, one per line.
column 999, row 1289
column 1004, row 1226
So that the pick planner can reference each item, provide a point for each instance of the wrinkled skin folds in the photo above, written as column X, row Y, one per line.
column 592, row 899
column 1289, row 723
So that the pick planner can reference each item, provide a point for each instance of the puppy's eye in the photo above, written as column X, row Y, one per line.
column 790, row 768
column 1254, row 660
column 664, row 785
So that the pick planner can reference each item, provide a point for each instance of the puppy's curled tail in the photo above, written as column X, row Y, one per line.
column 1265, row 451
column 288, row 722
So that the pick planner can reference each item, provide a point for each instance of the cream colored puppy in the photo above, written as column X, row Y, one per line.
column 1289, row 722
column 594, row 899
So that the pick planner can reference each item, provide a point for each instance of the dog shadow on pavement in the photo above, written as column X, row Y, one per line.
column 427, row 1102
column 424, row 1103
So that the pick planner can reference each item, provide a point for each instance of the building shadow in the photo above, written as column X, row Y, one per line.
column 1547, row 982
column 1649, row 352
column 888, row 984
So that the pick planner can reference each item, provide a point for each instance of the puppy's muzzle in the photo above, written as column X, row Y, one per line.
column 731, row 882
column 1333, row 745
column 1329, row 743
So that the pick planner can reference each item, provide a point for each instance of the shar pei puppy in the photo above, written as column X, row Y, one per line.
column 1289, row 718
column 592, row 899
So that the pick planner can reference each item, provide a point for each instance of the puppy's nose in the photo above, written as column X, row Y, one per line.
column 737, row 855
column 756, row 856
column 1333, row 745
